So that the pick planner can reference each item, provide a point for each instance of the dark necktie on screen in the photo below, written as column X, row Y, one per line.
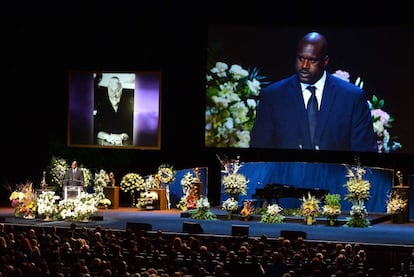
column 312, row 110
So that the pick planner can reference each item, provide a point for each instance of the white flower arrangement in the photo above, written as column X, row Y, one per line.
column 79, row 208
column 105, row 202
column 382, row 120
column 230, row 204
column 46, row 203
column 273, row 214
column 202, row 210
column 149, row 195
column 58, row 167
column 234, row 183
column 232, row 96
column 395, row 204
column 132, row 182
column 87, row 176
column 101, row 180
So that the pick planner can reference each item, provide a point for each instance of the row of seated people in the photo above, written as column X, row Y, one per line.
column 103, row 252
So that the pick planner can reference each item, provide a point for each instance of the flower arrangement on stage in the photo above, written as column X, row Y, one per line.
column 132, row 182
column 58, row 167
column 23, row 200
column 247, row 210
column 273, row 214
column 382, row 120
column 230, row 205
column 234, row 183
column 310, row 206
column 358, row 193
column 189, row 199
column 165, row 174
column 79, row 208
column 87, row 176
column 202, row 210
column 46, row 204
column 332, row 207
column 232, row 96
column 395, row 204
column 101, row 180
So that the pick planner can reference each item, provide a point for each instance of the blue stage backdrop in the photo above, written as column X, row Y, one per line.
column 316, row 176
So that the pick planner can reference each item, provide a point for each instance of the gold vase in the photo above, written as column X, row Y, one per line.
column 309, row 220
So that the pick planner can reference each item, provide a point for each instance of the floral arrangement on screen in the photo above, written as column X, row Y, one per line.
column 58, row 167
column 234, row 183
column 395, row 204
column 273, row 214
column 310, row 206
column 23, row 200
column 189, row 199
column 202, row 210
column 132, row 182
column 358, row 193
column 248, row 209
column 79, row 208
column 232, row 96
column 46, row 203
column 382, row 120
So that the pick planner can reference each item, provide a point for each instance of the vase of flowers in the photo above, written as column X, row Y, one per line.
column 23, row 200
column 46, row 204
column 234, row 183
column 247, row 210
column 132, row 183
column 310, row 208
column 78, row 209
column 332, row 207
column 396, row 207
column 230, row 205
column 273, row 214
column 358, row 193
column 202, row 210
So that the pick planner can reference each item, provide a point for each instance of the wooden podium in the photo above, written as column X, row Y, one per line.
column 112, row 193
column 162, row 198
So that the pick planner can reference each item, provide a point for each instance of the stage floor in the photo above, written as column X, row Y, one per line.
column 381, row 231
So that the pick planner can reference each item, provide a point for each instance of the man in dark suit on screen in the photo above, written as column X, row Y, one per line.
column 313, row 109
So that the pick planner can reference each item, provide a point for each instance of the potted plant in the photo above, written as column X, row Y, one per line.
column 332, row 207
column 273, row 214
column 310, row 208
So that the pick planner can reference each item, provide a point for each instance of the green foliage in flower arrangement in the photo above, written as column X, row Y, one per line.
column 202, row 210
